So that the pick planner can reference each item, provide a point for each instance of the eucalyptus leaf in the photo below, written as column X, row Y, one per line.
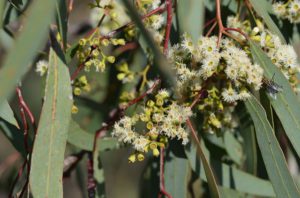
column 50, row 143
column 287, row 104
column 7, row 114
column 273, row 157
column 190, row 15
column 32, row 36
column 62, row 21
column 242, row 181
column 176, row 176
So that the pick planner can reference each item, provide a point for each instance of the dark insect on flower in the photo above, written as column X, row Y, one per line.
column 271, row 87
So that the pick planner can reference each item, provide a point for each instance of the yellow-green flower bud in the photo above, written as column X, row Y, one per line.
column 105, row 42
column 121, row 41
column 74, row 109
column 140, row 157
column 121, row 76
column 150, row 103
column 159, row 101
column 155, row 152
column 82, row 42
column 132, row 158
column 111, row 59
column 149, row 125
column 77, row 91
column 114, row 41
column 153, row 145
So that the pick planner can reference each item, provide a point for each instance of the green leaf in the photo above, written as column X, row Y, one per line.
column 250, row 149
column 233, row 148
column 190, row 15
column 287, row 104
column 32, row 36
column 176, row 176
column 99, row 174
column 14, row 135
column 62, row 21
column 71, row 52
column 272, row 154
column 2, row 6
column 212, row 183
column 231, row 177
column 261, row 7
column 7, row 114
column 49, row 146
column 84, row 140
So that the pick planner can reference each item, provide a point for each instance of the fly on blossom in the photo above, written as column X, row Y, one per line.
column 272, row 87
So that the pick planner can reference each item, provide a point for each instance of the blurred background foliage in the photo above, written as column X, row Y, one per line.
column 235, row 158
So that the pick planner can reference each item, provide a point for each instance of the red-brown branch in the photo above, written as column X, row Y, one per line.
column 162, row 175
column 168, row 25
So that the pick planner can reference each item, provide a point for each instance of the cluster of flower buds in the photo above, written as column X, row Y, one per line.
column 91, row 55
column 159, row 120
column 289, row 10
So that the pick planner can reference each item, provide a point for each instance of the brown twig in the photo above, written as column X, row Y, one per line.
column 71, row 162
column 168, row 25
column 162, row 175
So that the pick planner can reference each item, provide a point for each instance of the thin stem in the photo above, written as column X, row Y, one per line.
column 211, row 29
column 168, row 25
column 162, row 175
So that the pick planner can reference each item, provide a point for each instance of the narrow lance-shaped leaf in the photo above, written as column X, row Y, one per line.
column 52, row 133
column 2, row 6
column 176, row 176
column 7, row 114
column 27, row 44
column 243, row 182
column 287, row 104
column 190, row 17
column 62, row 21
column 211, row 180
column 272, row 154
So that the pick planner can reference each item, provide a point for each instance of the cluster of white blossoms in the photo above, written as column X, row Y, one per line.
column 225, row 72
column 42, row 67
column 160, row 118
column 195, row 64
column 288, row 10
column 281, row 54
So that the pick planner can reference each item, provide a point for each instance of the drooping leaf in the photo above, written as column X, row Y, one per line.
column 31, row 37
column 250, row 149
column 7, row 114
column 14, row 135
column 84, row 140
column 99, row 174
column 190, row 15
column 2, row 6
column 272, row 154
column 231, row 177
column 210, row 177
column 233, row 148
column 287, row 104
column 48, row 152
column 62, row 21
column 176, row 176
column 262, row 7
